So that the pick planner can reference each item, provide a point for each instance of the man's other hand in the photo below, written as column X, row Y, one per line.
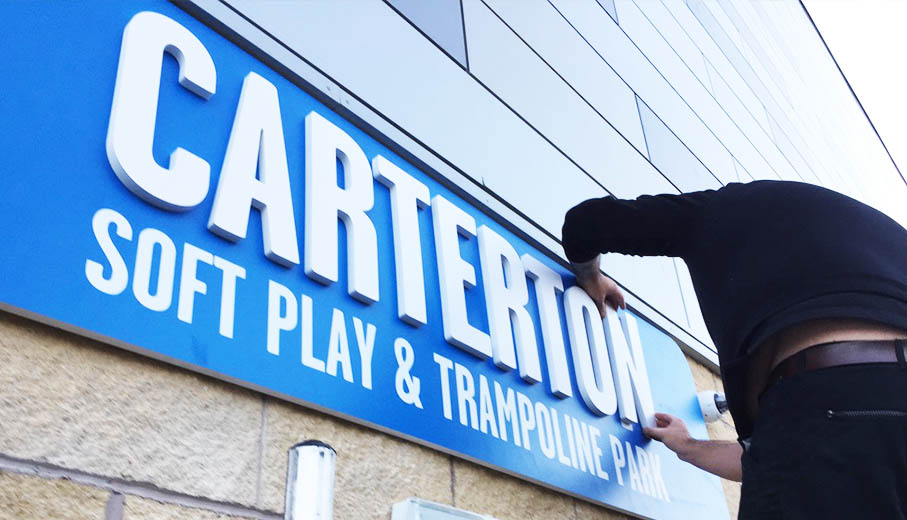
column 670, row 430
column 599, row 287
column 720, row 458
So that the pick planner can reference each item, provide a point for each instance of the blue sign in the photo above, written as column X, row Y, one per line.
column 166, row 192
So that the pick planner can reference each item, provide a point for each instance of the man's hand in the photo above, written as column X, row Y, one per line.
column 670, row 430
column 598, row 286
column 721, row 458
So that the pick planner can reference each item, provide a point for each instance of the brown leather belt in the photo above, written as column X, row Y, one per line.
column 840, row 353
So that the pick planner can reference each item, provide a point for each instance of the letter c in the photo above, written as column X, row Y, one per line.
column 130, row 135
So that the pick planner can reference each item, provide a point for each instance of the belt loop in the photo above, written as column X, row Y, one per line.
column 899, row 345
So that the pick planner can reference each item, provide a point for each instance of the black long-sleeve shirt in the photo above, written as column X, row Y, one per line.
column 762, row 256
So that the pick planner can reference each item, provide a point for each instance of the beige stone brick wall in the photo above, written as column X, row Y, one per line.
column 169, row 443
column 75, row 403
column 138, row 508
column 26, row 497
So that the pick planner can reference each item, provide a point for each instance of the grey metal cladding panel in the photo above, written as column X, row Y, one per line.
column 775, row 48
column 770, row 72
column 549, row 35
column 743, row 137
column 672, row 157
column 735, row 108
column 663, row 20
column 818, row 162
column 808, row 174
column 704, row 40
column 732, row 133
column 691, row 26
column 716, row 56
column 509, row 68
column 775, row 35
column 729, row 48
column 373, row 52
column 732, row 123
column 763, row 49
column 608, row 6
column 671, row 31
column 608, row 40
column 653, row 279
column 440, row 20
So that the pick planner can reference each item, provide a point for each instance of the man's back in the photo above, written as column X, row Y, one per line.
column 763, row 257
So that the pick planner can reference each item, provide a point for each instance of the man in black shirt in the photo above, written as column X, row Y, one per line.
column 804, row 292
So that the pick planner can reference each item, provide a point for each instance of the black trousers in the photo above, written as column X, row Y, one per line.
column 830, row 444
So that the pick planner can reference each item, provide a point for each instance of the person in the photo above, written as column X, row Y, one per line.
column 804, row 293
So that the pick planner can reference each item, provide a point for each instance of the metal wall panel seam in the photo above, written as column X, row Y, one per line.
column 224, row 19
column 769, row 102
column 465, row 41
column 661, row 19
column 759, row 149
column 713, row 91
column 765, row 49
column 756, row 80
column 771, row 133
column 593, row 108
column 515, row 112
column 740, row 88
column 769, row 105
column 643, row 107
column 644, row 138
column 682, row 102
column 697, row 116
column 586, row 101
column 429, row 38
column 725, row 26
column 536, row 22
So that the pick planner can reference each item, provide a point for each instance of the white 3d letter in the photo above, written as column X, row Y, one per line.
column 506, row 296
column 590, row 352
column 407, row 196
column 133, row 115
column 119, row 273
column 629, row 368
column 455, row 275
column 257, row 147
column 547, row 284
column 325, row 143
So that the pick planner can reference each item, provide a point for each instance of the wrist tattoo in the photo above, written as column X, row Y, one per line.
column 583, row 269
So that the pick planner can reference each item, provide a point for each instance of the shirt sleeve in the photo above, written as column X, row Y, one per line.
column 651, row 225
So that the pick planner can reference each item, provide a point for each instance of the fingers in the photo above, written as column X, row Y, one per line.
column 652, row 433
column 663, row 420
column 600, row 305
column 616, row 299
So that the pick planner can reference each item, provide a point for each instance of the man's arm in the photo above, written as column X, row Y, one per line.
column 720, row 458
column 650, row 225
